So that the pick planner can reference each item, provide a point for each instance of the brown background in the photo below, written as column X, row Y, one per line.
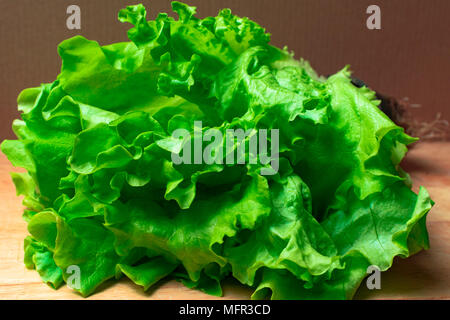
column 409, row 57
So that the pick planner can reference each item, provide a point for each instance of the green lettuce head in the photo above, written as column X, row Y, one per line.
column 104, row 197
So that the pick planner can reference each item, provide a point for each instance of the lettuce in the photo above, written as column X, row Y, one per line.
column 103, row 194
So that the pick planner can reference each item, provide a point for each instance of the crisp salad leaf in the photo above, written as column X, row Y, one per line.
column 105, row 199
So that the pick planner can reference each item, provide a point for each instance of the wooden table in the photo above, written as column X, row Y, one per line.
column 423, row 276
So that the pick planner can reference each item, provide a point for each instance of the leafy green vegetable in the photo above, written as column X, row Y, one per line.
column 103, row 194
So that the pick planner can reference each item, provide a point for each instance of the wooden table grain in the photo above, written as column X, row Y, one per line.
column 423, row 276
